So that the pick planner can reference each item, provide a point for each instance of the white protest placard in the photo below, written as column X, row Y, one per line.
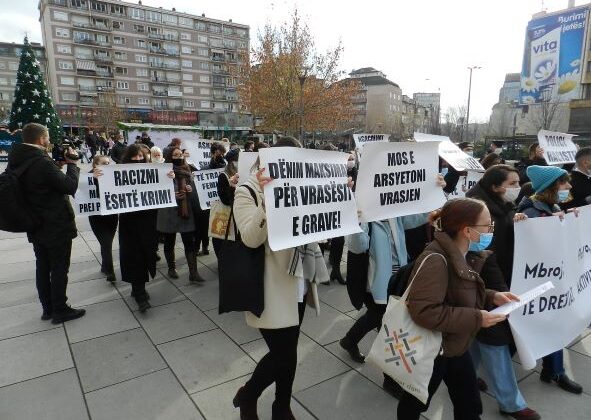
column 363, row 139
column 309, row 199
column 86, row 199
column 451, row 153
column 162, row 138
column 558, row 147
column 135, row 186
column 548, row 249
column 465, row 183
column 524, row 299
column 206, row 183
column 398, row 179
column 246, row 161
column 200, row 152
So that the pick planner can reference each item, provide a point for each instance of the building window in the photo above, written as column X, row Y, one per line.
column 64, row 49
column 186, row 21
column 13, row 65
column 123, row 100
column 98, row 6
column 140, row 43
column 202, row 38
column 229, row 43
column 57, row 15
column 68, row 96
column 205, row 104
column 3, row 81
column 139, row 28
column 185, row 36
column 203, row 52
column 187, row 63
column 65, row 65
column 62, row 32
column 121, row 70
column 143, row 87
column 204, row 78
column 141, row 58
column 117, row 24
column 136, row 13
column 117, row 10
column 188, row 89
column 188, row 77
column 119, row 40
column 143, row 101
column 186, row 49
column 141, row 72
column 190, row 104
column 153, row 16
column 67, row 81
column 214, row 28
column 170, row 19
column 120, row 55
column 201, row 26
column 204, row 91
column 79, row 4
column 215, row 42
column 203, row 65
column 122, row 85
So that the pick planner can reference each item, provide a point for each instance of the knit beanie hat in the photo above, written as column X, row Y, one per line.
column 543, row 176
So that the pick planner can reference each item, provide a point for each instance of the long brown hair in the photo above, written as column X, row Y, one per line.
column 132, row 150
column 456, row 214
column 550, row 194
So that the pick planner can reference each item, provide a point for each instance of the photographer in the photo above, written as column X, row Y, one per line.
column 46, row 189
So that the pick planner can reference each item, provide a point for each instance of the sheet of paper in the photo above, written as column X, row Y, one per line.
column 524, row 299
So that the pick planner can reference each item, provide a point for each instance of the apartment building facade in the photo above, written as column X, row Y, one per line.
column 159, row 66
column 10, row 54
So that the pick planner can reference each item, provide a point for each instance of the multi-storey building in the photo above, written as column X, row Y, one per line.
column 416, row 117
column 158, row 65
column 10, row 54
column 428, row 99
column 503, row 120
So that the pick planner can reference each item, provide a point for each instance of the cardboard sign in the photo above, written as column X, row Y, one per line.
column 200, row 152
column 465, row 183
column 136, row 186
column 206, row 183
column 86, row 199
column 246, row 161
column 558, row 147
column 363, row 139
column 451, row 153
column 309, row 199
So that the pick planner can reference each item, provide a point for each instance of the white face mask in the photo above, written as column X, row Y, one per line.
column 470, row 153
column 350, row 164
column 498, row 151
column 511, row 194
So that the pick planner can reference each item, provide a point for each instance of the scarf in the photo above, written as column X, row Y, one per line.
column 308, row 263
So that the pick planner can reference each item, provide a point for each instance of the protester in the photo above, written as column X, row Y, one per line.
column 92, row 142
column 535, row 157
column 46, row 189
column 581, row 179
column 156, row 155
column 249, row 146
column 217, row 156
column 447, row 295
column 490, row 160
column 496, row 147
column 118, row 149
column 227, row 182
column 452, row 176
column 104, row 227
column 179, row 219
column 284, row 299
column 175, row 143
column 145, row 139
column 551, row 186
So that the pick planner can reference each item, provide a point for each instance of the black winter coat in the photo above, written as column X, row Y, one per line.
column 117, row 152
column 46, row 189
column 138, row 242
column 581, row 189
column 503, row 241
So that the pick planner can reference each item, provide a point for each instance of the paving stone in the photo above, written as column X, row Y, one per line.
column 18, row 293
column 17, row 250
column 161, row 291
column 315, row 364
column 92, row 291
column 157, row 395
column 21, row 320
column 205, row 296
column 18, row 271
column 442, row 409
column 336, row 296
column 87, row 270
column 234, row 325
column 53, row 397
column 173, row 321
column 10, row 235
column 34, row 355
column 101, row 319
column 115, row 358
column 216, row 402
column 206, row 360
column 330, row 326
column 583, row 346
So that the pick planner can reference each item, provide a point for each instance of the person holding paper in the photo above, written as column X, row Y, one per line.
column 551, row 186
column 285, row 295
column 227, row 182
column 449, row 296
column 535, row 157
column 452, row 176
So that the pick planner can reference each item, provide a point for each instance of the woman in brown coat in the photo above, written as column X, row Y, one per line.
column 449, row 296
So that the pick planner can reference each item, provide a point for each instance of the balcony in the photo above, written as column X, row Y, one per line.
column 93, row 26
column 163, row 107
column 58, row 2
column 104, row 88
column 83, row 88
column 217, row 83
column 165, row 66
column 155, row 50
column 175, row 94
column 154, row 35
column 219, row 58
column 160, row 93
column 103, row 59
column 104, row 74
column 164, row 79
column 88, row 102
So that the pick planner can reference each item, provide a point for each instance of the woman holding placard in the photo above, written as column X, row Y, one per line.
column 448, row 295
column 227, row 182
column 551, row 186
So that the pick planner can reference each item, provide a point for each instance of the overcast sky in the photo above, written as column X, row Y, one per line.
column 409, row 40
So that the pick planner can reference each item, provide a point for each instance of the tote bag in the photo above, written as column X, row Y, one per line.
column 403, row 350
column 220, row 221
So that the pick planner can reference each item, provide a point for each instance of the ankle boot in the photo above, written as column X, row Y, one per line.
column 192, row 264
column 335, row 274
column 170, row 260
column 281, row 411
column 248, row 407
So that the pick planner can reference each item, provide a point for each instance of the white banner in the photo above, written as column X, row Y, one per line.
column 200, row 152
column 309, row 199
column 86, row 199
column 136, row 186
column 162, row 138
column 363, row 139
column 246, row 161
column 206, row 183
column 398, row 179
column 451, row 153
column 547, row 249
column 421, row 137
column 464, row 184
column 558, row 147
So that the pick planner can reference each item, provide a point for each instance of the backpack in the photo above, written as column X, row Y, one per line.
column 15, row 213
column 399, row 281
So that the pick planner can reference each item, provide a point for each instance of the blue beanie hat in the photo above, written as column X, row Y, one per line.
column 542, row 177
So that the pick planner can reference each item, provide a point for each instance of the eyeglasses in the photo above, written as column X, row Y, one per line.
column 491, row 227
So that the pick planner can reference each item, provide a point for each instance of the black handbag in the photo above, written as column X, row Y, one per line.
column 357, row 270
column 241, row 273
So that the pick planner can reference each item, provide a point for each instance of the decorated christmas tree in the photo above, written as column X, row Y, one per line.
column 32, row 101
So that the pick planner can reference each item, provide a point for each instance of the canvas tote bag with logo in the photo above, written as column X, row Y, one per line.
column 403, row 350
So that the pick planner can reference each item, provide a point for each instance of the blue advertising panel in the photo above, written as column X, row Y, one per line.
column 552, row 57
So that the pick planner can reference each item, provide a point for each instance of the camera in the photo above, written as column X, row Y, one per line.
column 60, row 151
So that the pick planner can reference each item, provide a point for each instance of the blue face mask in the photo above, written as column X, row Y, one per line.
column 482, row 244
column 444, row 171
column 563, row 195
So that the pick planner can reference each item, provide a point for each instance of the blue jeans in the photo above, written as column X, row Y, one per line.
column 553, row 364
column 500, row 375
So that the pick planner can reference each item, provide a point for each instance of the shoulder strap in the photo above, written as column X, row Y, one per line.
column 236, row 233
column 407, row 291
column 252, row 193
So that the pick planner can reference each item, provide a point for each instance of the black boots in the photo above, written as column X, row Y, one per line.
column 335, row 274
column 170, row 261
column 248, row 407
column 282, row 411
column 563, row 382
column 352, row 349
column 194, row 276
column 67, row 314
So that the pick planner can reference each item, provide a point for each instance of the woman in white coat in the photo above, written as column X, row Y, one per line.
column 285, row 297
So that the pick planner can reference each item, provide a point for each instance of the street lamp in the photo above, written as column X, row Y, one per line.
column 302, row 77
column 471, row 68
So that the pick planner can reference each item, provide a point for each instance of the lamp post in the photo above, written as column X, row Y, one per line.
column 471, row 68
column 302, row 77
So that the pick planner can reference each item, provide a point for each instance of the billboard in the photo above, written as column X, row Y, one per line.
column 552, row 59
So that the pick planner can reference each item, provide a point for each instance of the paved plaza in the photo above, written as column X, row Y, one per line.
column 182, row 360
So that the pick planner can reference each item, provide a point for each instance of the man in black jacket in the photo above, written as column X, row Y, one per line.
column 118, row 149
column 46, row 189
column 581, row 179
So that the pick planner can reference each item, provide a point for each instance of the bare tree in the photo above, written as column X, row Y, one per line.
column 546, row 114
column 454, row 123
